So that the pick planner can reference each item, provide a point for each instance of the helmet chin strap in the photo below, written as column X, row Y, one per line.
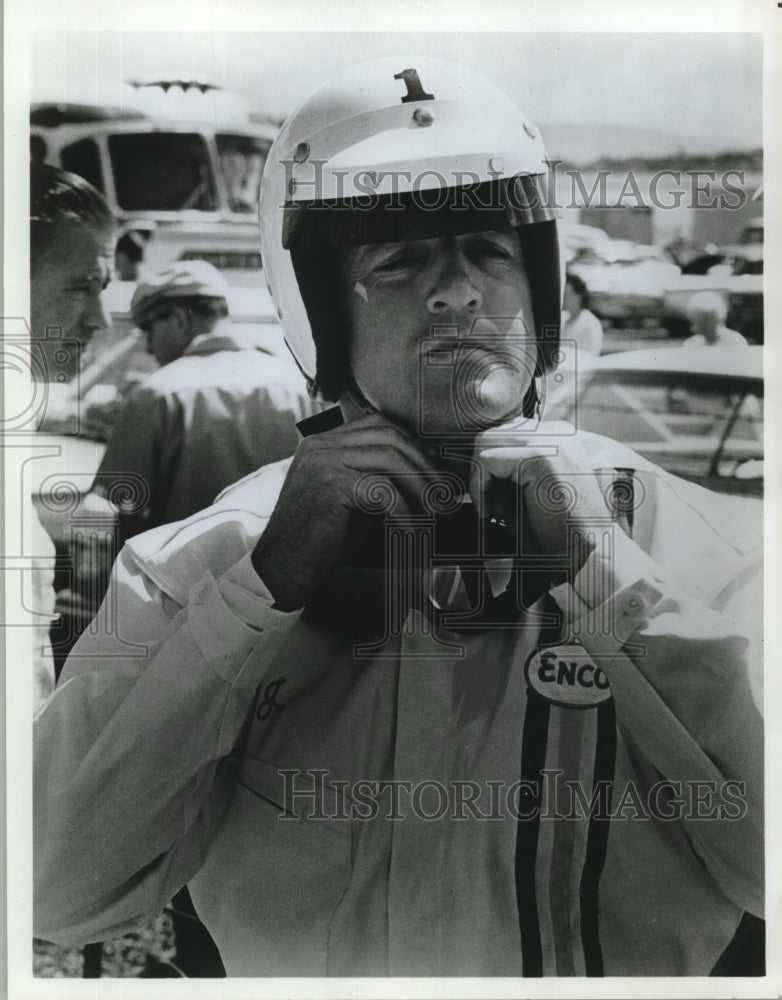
column 355, row 399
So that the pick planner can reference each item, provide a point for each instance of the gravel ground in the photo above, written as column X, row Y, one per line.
column 123, row 958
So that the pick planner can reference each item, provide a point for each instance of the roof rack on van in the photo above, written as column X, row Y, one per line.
column 183, row 82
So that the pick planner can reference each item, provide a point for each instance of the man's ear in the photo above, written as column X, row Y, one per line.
column 181, row 318
column 184, row 329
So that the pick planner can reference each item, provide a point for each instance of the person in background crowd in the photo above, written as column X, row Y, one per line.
column 378, row 679
column 72, row 233
column 72, row 236
column 220, row 406
column 707, row 313
column 578, row 322
column 129, row 255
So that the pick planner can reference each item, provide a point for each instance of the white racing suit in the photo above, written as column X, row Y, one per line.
column 418, row 800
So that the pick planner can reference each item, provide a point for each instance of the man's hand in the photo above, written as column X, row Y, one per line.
column 541, row 479
column 307, row 532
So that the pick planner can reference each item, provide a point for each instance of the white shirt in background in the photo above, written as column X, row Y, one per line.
column 585, row 329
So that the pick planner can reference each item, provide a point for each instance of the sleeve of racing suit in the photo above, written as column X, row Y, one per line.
column 132, row 754
column 679, row 673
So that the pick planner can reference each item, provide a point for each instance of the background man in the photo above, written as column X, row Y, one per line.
column 71, row 248
column 579, row 323
column 220, row 406
column 72, row 236
column 129, row 256
column 707, row 313
column 436, row 594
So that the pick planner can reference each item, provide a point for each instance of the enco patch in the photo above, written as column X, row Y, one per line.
column 567, row 675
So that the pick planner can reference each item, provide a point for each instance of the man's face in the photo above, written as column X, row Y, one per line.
column 167, row 332
column 441, row 330
column 65, row 295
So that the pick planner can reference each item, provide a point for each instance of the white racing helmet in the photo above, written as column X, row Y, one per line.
column 392, row 151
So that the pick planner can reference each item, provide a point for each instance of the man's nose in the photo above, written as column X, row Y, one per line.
column 455, row 289
column 95, row 317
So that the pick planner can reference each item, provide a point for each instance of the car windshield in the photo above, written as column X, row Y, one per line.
column 707, row 430
column 242, row 160
column 162, row 172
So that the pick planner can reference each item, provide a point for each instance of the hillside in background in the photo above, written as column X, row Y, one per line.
column 606, row 146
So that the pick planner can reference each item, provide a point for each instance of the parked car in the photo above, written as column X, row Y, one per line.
column 576, row 237
column 696, row 412
column 745, row 308
column 742, row 292
column 625, row 280
column 734, row 271
column 747, row 255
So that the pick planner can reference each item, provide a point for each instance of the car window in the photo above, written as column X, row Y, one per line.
column 242, row 159
column 162, row 172
column 752, row 234
column 83, row 158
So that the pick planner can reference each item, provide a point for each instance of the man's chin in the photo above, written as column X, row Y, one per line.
column 463, row 428
column 459, row 409
column 495, row 412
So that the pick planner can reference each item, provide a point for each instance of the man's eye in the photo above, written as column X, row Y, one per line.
column 488, row 248
column 90, row 287
column 397, row 263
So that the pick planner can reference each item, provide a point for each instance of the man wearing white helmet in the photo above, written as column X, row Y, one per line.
column 449, row 693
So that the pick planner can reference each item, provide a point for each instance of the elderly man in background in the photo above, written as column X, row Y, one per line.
column 220, row 406
column 707, row 313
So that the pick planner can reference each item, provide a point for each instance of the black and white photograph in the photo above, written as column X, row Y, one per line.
column 387, row 538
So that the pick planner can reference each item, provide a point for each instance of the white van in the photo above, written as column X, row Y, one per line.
column 179, row 161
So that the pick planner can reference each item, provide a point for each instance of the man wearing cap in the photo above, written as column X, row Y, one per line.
column 454, row 691
column 220, row 406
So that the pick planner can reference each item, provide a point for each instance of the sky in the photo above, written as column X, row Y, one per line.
column 705, row 86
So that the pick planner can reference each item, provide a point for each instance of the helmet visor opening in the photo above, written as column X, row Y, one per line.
column 417, row 214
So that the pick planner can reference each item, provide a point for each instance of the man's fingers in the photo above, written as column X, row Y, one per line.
column 516, row 463
column 365, row 438
column 391, row 480
column 372, row 459
column 545, row 480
